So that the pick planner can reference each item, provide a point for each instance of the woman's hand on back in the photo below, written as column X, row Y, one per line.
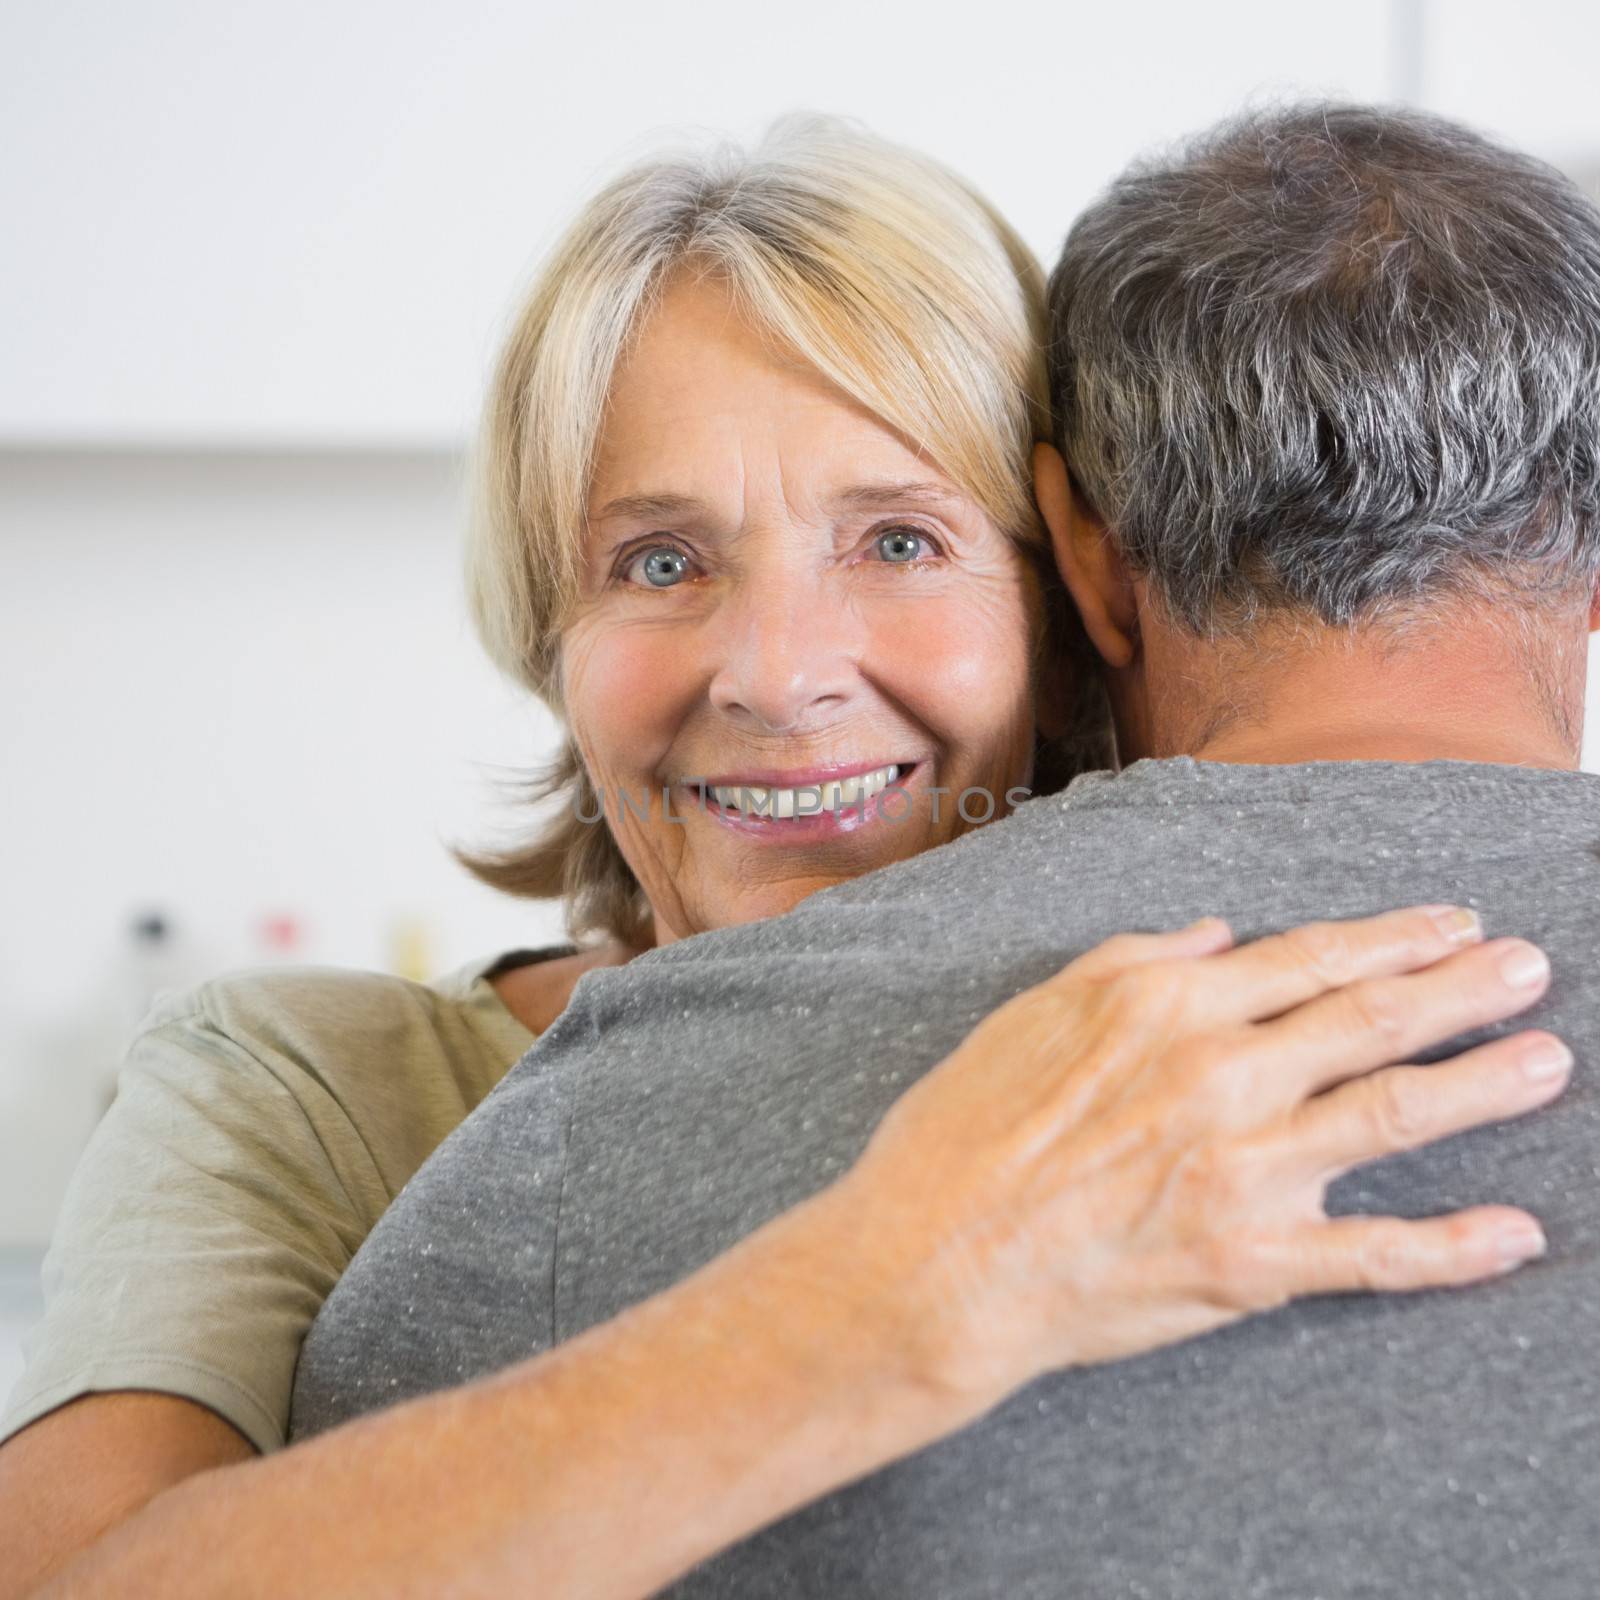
column 1137, row 1150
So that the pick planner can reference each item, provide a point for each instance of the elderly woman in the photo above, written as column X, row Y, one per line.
column 754, row 519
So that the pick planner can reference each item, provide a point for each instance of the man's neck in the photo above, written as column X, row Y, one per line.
column 1467, row 688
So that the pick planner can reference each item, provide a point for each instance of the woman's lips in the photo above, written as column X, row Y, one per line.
column 783, row 803
column 824, row 804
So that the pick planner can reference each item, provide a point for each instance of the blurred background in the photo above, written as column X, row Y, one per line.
column 258, row 258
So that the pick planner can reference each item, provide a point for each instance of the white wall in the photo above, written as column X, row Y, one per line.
column 256, row 260
column 303, row 221
column 1526, row 73
column 236, row 685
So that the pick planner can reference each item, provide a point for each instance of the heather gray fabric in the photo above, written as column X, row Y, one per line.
column 1444, row 1444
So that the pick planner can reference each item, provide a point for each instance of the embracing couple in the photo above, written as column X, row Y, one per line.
column 851, row 1219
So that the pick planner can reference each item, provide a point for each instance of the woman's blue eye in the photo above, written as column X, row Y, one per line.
column 663, row 566
column 900, row 544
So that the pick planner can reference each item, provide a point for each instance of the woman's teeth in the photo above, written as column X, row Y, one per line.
column 810, row 800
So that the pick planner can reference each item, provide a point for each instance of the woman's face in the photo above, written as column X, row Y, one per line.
column 786, row 604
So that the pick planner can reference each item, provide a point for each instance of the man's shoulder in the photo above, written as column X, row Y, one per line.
column 1131, row 848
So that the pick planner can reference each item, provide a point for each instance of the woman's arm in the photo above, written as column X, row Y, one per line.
column 91, row 1464
column 263, row 1121
column 1183, row 1112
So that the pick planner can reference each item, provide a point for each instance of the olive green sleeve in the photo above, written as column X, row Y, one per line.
column 261, row 1125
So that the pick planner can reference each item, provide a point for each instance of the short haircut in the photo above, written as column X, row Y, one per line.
column 876, row 265
column 1338, row 360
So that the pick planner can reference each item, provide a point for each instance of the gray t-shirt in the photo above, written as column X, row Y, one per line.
column 1439, row 1444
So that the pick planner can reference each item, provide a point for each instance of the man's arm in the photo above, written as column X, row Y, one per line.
column 1087, row 1176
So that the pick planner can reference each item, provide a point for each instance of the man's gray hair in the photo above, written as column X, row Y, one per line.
column 1332, row 358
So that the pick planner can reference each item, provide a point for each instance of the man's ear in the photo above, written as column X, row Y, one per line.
column 1097, row 576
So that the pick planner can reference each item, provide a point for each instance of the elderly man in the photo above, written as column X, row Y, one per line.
column 1326, row 496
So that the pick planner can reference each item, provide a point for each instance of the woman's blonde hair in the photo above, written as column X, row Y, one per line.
column 884, row 271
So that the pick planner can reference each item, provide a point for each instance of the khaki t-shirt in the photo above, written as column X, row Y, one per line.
column 263, row 1121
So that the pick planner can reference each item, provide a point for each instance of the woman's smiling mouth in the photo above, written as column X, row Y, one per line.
column 796, row 807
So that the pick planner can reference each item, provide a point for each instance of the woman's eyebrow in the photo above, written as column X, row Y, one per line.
column 860, row 497
column 649, row 506
column 889, row 496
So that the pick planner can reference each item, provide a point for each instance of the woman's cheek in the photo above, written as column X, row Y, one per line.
column 961, row 661
column 627, row 688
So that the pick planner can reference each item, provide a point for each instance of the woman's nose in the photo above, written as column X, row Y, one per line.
column 787, row 655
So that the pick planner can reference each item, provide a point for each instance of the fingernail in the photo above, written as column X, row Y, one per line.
column 1519, row 1242
column 1456, row 923
column 1546, row 1060
column 1524, row 965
